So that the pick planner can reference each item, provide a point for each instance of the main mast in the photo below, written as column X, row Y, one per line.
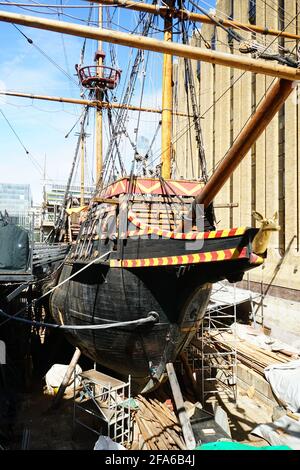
column 99, row 97
column 167, row 99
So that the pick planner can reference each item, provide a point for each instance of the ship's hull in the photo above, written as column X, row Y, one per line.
column 108, row 292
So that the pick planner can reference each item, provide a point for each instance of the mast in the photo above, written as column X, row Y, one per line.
column 99, row 97
column 82, row 168
column 167, row 99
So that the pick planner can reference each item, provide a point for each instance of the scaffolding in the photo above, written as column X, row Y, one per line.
column 107, row 402
column 215, row 367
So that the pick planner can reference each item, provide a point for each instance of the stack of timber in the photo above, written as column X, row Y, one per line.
column 247, row 353
column 155, row 427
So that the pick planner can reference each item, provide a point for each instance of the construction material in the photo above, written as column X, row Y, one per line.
column 155, row 427
column 253, row 357
column 183, row 417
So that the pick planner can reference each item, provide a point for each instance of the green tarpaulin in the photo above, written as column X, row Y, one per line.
column 228, row 445
column 14, row 248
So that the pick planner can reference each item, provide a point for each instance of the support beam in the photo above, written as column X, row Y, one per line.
column 187, row 430
column 66, row 380
column 196, row 17
column 263, row 115
column 150, row 44
column 95, row 103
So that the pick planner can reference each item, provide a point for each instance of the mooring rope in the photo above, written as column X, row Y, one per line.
column 151, row 318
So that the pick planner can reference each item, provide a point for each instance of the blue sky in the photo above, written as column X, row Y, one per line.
column 42, row 126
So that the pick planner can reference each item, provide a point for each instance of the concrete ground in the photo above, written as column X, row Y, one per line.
column 46, row 429
column 39, row 428
column 244, row 415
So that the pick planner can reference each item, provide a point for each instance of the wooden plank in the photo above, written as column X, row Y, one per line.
column 105, row 201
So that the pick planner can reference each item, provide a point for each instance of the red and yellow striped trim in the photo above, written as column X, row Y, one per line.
column 152, row 186
column 256, row 259
column 208, row 257
column 148, row 230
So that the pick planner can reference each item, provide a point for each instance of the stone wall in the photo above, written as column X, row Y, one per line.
column 268, row 179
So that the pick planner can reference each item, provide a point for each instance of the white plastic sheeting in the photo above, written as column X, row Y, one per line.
column 106, row 443
column 285, row 382
column 55, row 375
column 284, row 431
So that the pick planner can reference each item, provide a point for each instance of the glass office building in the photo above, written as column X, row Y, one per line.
column 56, row 193
column 16, row 200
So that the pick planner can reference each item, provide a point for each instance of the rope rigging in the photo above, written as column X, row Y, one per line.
column 59, row 223
column 121, row 114
column 191, row 91
column 30, row 41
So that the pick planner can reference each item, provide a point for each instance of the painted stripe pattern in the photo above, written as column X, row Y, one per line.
column 152, row 186
column 148, row 230
column 195, row 258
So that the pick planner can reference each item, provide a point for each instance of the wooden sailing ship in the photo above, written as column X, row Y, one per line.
column 145, row 248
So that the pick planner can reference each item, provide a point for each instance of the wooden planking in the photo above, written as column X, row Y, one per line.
column 248, row 354
column 156, row 427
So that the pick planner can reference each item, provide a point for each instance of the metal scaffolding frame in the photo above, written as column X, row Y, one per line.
column 107, row 400
column 215, row 367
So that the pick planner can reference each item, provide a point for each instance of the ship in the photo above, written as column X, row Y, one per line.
column 138, row 277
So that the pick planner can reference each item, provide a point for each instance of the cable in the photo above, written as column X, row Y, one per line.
column 30, row 41
column 152, row 318
column 28, row 153
column 40, row 5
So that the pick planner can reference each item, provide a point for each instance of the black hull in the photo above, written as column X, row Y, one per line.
column 179, row 294
column 123, row 295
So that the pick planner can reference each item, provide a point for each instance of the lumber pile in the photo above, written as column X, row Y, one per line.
column 248, row 354
column 155, row 427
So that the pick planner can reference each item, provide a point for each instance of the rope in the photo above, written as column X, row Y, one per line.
column 30, row 41
column 152, row 318
column 28, row 153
